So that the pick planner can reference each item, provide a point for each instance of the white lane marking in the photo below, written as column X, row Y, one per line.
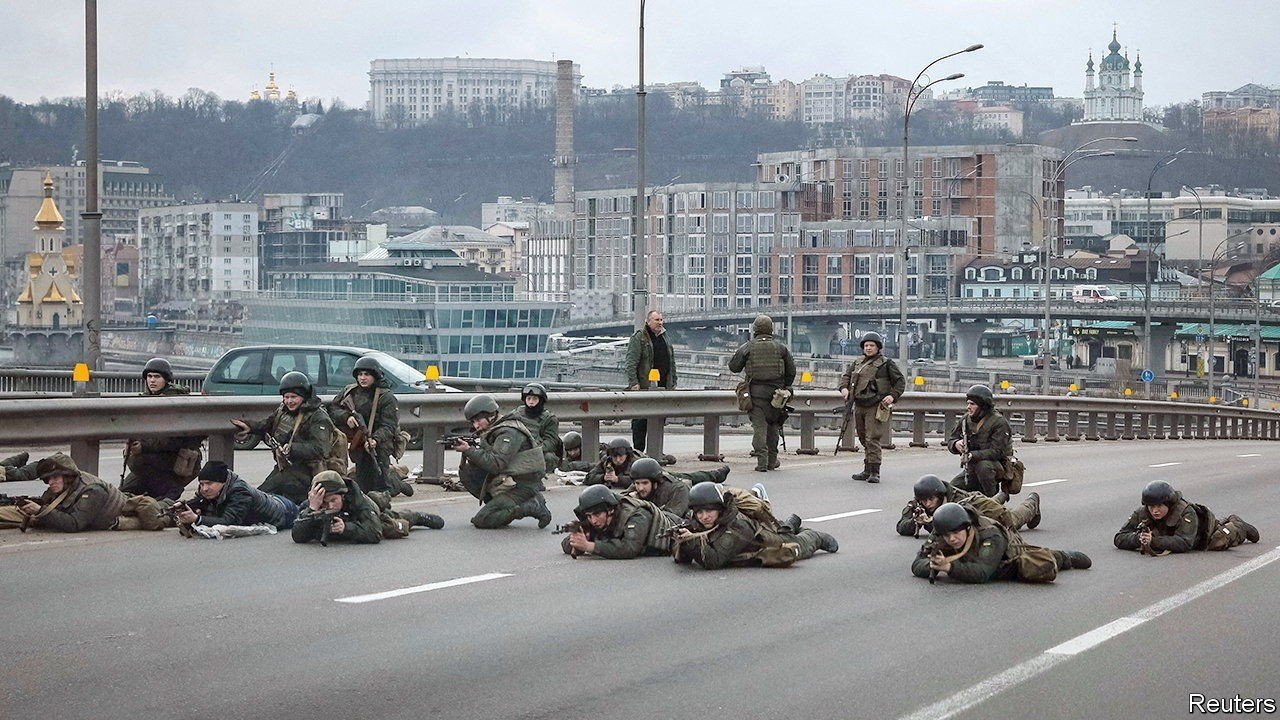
column 837, row 516
column 421, row 588
column 59, row 541
column 1168, row 464
column 996, row 684
column 1250, row 455
column 1046, row 482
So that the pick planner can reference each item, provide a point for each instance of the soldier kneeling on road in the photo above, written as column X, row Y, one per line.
column 931, row 492
column 1168, row 523
column 76, row 501
column 614, row 469
column 668, row 490
column 224, row 498
column 718, row 533
column 504, row 469
column 618, row 527
column 970, row 548
column 337, row 509
column 301, row 436
column 983, row 439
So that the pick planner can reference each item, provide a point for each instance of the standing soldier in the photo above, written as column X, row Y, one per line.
column 544, row 425
column 970, row 548
column 873, row 383
column 931, row 492
column 650, row 348
column 717, row 534
column 1167, row 523
column 160, row 467
column 614, row 469
column 983, row 439
column 504, row 470
column 618, row 528
column 770, row 372
column 669, row 490
column 301, row 436
column 367, row 412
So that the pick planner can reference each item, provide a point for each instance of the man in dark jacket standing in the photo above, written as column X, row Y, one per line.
column 873, row 383
column 160, row 467
column 224, row 498
column 770, row 371
column 983, row 439
column 1168, row 523
column 650, row 348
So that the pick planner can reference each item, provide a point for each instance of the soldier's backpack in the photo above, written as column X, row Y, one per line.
column 1014, row 471
column 1207, row 535
column 1036, row 564
column 752, row 507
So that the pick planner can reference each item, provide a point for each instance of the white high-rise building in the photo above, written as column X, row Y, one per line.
column 406, row 92
column 202, row 252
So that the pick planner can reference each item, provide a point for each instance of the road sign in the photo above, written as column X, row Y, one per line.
column 1201, row 338
column 1148, row 376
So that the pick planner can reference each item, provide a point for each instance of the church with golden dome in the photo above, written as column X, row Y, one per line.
column 49, row 317
column 271, row 93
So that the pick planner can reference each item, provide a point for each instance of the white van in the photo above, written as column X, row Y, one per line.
column 1092, row 294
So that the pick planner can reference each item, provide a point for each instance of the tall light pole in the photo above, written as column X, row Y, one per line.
column 913, row 94
column 639, row 278
column 1163, row 162
column 92, row 216
column 1219, row 253
column 1199, row 238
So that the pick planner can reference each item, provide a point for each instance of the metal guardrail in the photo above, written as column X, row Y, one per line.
column 86, row 422
column 53, row 382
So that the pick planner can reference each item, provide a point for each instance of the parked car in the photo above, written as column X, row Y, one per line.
column 257, row 369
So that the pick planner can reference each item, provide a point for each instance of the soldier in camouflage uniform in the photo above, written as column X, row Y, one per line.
column 544, row 425
column 717, row 534
column 1168, row 523
column 873, row 383
column 614, row 469
column 370, row 398
column 931, row 492
column 984, row 439
column 75, row 501
column 668, row 490
column 17, row 468
column 505, row 470
column 304, row 432
column 153, row 462
column 769, row 369
column 354, row 516
column 970, row 548
column 619, row 527
column 573, row 460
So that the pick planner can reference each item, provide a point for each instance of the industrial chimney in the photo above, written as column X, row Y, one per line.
column 564, row 160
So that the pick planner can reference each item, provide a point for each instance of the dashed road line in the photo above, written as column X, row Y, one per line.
column 1168, row 464
column 837, row 516
column 1038, row 665
column 1046, row 482
column 1250, row 455
column 355, row 599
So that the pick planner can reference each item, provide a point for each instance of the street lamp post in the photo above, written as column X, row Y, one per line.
column 1199, row 238
column 639, row 278
column 1219, row 253
column 913, row 94
column 1146, row 297
column 92, row 216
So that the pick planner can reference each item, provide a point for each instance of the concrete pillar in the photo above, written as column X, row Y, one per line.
column 1161, row 338
column 968, row 336
column 820, row 334
column 711, row 440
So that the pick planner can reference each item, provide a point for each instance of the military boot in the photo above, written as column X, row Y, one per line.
column 862, row 476
column 762, row 463
column 774, row 463
column 16, row 461
column 792, row 524
column 1034, row 522
column 1250, row 532
column 874, row 475
column 536, row 507
column 397, row 486
column 1077, row 560
column 421, row 519
column 721, row 473
column 828, row 542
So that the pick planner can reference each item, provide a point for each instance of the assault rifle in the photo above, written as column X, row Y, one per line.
column 846, row 413
column 919, row 517
column 326, row 524
column 450, row 441
column 931, row 550
column 282, row 457
column 1144, row 526
column 570, row 527
column 16, row 500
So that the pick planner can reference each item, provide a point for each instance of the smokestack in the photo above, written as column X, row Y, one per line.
column 564, row 160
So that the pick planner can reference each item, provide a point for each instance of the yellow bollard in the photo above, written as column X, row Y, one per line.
column 1128, row 392
column 1173, row 395
column 919, row 381
column 80, row 373
column 806, row 377
column 655, row 376
column 1004, row 384
column 432, row 373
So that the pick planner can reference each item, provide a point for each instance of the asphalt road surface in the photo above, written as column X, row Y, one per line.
column 500, row 624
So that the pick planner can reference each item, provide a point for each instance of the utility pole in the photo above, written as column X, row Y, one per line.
column 92, row 217
column 639, row 278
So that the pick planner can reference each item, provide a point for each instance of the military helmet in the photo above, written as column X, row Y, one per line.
column 158, row 365
column 369, row 364
column 872, row 337
column 619, row 445
column 706, row 494
column 297, row 383
column 762, row 325
column 950, row 517
column 595, row 499
column 646, row 469
column 980, row 394
column 929, row 486
column 1157, row 492
column 535, row 389
column 483, row 404
column 572, row 440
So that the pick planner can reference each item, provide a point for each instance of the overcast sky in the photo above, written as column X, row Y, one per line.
column 323, row 47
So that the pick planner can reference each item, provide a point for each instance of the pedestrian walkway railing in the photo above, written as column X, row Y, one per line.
column 84, row 423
